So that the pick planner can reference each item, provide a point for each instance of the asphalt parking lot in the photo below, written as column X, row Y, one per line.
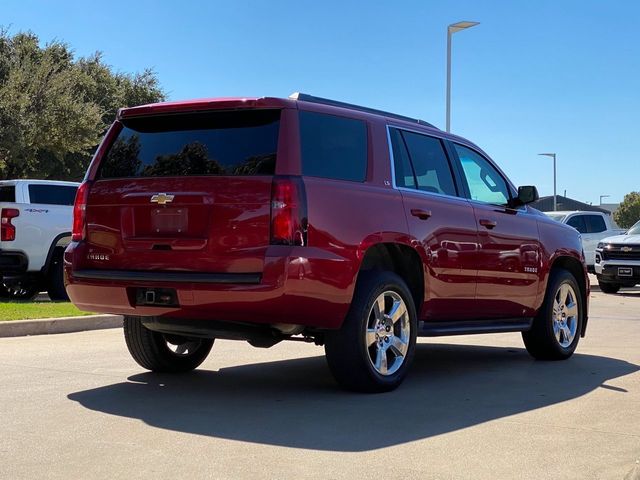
column 76, row 406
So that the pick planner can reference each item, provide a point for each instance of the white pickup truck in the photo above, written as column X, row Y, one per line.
column 593, row 227
column 36, row 219
column 618, row 261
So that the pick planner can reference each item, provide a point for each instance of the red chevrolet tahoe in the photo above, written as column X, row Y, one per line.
column 266, row 219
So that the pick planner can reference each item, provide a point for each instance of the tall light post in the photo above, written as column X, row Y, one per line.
column 555, row 199
column 603, row 196
column 451, row 29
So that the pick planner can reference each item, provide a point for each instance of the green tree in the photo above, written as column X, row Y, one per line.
column 629, row 211
column 54, row 108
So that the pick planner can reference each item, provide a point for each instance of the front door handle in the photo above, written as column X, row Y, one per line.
column 488, row 224
column 421, row 214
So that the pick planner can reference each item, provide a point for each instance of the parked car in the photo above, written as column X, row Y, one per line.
column 618, row 261
column 36, row 227
column 265, row 219
column 593, row 226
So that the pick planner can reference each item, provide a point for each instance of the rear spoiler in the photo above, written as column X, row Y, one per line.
column 204, row 105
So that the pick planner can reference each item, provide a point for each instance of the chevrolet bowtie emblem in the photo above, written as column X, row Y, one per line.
column 626, row 249
column 162, row 198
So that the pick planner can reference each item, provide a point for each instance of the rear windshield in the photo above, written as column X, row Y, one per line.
column 7, row 193
column 215, row 143
column 52, row 194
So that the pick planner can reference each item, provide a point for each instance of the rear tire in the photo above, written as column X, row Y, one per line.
column 556, row 329
column 160, row 352
column 55, row 278
column 373, row 350
column 609, row 287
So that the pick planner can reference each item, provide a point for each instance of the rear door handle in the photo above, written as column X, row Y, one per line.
column 421, row 214
column 489, row 224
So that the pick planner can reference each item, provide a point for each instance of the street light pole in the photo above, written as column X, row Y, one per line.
column 449, row 78
column 603, row 196
column 451, row 29
column 555, row 197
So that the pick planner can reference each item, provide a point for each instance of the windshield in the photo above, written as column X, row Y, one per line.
column 635, row 230
column 558, row 217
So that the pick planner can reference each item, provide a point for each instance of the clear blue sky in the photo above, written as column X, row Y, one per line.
column 543, row 76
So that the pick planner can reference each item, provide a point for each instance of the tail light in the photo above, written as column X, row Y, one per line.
column 7, row 230
column 288, row 212
column 79, row 212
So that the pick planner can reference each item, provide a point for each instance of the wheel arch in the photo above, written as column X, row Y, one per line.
column 577, row 269
column 57, row 242
column 401, row 259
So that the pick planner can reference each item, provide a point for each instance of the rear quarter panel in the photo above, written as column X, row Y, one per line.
column 346, row 218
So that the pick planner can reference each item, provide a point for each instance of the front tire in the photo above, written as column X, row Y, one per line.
column 556, row 329
column 160, row 352
column 373, row 350
column 609, row 287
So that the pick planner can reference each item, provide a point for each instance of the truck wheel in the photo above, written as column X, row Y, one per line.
column 606, row 287
column 19, row 290
column 373, row 350
column 55, row 278
column 556, row 329
column 160, row 352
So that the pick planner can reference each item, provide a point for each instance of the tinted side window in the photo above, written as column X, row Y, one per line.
column 430, row 163
column 401, row 164
column 333, row 147
column 578, row 223
column 595, row 223
column 8, row 193
column 52, row 194
column 485, row 182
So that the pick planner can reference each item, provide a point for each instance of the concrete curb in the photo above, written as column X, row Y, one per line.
column 45, row 326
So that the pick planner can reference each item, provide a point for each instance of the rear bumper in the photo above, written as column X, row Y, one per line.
column 298, row 285
column 13, row 263
column 173, row 277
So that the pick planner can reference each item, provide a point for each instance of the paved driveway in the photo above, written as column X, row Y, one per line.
column 76, row 406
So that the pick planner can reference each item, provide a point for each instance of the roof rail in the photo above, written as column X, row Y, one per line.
column 326, row 101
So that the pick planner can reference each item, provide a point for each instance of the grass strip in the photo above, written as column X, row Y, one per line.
column 17, row 310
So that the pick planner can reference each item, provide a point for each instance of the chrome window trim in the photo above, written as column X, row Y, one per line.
column 433, row 194
column 522, row 208
column 393, row 167
column 510, row 186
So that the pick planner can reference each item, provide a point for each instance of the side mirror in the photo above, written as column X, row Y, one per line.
column 526, row 194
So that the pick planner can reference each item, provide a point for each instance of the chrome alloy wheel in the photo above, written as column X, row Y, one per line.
column 565, row 314
column 388, row 333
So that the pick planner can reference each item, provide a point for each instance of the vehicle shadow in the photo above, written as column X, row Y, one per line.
column 295, row 403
